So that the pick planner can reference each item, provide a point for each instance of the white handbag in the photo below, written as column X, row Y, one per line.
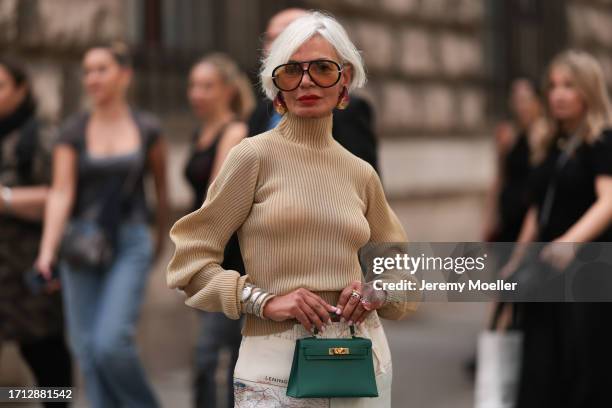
column 498, row 368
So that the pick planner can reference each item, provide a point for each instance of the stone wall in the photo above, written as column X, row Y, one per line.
column 428, row 76
column 50, row 36
column 590, row 28
column 426, row 67
column 425, row 62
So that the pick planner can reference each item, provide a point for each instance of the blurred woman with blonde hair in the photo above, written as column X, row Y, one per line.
column 566, row 356
column 221, row 97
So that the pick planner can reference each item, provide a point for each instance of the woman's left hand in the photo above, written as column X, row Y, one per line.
column 354, row 309
column 559, row 254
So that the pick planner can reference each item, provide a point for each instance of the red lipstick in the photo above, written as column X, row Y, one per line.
column 308, row 98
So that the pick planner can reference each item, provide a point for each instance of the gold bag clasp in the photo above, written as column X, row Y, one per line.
column 338, row 350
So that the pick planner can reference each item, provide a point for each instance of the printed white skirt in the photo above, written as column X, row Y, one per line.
column 264, row 363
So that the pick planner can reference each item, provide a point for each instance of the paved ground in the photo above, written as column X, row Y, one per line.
column 428, row 349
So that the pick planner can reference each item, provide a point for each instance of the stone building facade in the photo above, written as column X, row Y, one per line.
column 590, row 24
column 438, row 73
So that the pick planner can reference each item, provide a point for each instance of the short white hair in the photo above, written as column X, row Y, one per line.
column 300, row 31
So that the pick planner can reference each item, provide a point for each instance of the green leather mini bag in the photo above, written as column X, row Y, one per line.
column 326, row 368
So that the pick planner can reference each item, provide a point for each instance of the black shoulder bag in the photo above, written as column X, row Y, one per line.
column 90, row 242
column 535, row 277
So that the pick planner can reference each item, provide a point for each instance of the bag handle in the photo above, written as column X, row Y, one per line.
column 351, row 328
column 130, row 182
column 551, row 189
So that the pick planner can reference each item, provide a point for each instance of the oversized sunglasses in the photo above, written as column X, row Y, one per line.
column 324, row 73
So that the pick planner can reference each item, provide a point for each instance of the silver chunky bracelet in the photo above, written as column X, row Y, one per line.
column 252, row 300
column 258, row 303
column 262, row 304
column 6, row 194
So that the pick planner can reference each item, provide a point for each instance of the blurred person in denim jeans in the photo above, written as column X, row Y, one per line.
column 99, row 162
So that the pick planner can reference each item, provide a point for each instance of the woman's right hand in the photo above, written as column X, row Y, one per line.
column 301, row 304
column 43, row 265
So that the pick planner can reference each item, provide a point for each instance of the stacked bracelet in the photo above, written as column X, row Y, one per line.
column 6, row 195
column 253, row 300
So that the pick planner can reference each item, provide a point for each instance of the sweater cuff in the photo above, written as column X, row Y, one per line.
column 399, row 303
column 216, row 295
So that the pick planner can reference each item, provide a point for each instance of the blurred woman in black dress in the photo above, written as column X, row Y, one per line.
column 221, row 97
column 508, row 197
column 567, row 354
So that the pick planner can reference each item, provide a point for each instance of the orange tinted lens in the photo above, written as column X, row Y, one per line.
column 288, row 76
column 324, row 73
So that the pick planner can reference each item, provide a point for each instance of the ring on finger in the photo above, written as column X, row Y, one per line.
column 355, row 294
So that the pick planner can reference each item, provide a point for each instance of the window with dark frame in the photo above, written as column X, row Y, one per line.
column 523, row 36
column 172, row 35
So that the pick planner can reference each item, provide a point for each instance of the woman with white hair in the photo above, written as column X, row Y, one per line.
column 302, row 206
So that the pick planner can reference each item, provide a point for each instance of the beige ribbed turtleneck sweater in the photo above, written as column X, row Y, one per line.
column 302, row 205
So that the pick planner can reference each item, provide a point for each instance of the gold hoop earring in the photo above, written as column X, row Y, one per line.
column 343, row 100
column 279, row 104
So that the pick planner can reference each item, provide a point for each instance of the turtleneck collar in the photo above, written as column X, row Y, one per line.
column 312, row 132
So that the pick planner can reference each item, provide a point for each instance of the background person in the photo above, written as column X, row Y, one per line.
column 100, row 162
column 509, row 197
column 34, row 321
column 566, row 348
column 221, row 97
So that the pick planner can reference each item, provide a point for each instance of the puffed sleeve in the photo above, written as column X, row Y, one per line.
column 386, row 227
column 72, row 131
column 151, row 128
column 602, row 154
column 200, row 237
